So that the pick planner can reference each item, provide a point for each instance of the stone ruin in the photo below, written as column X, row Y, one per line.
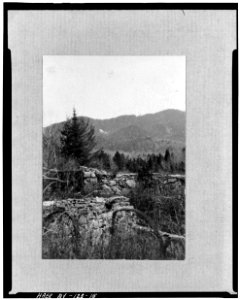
column 106, row 209
column 104, row 185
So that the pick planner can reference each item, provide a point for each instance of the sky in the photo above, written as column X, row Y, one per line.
column 103, row 87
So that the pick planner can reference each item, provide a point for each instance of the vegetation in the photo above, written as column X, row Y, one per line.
column 133, row 136
column 77, row 140
column 159, row 205
column 152, row 162
column 163, row 203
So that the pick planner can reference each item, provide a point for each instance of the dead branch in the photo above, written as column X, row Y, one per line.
column 172, row 236
column 52, row 178
column 149, row 221
column 45, row 189
column 62, row 171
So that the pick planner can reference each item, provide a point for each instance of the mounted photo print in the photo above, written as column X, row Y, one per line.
column 114, row 157
column 122, row 149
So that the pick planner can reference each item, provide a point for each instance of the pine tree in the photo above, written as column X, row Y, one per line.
column 77, row 139
column 159, row 160
column 167, row 156
column 104, row 158
column 119, row 160
column 150, row 162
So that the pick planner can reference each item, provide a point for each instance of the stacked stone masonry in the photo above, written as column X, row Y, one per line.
column 92, row 216
column 100, row 183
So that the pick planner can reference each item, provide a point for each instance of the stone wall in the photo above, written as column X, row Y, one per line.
column 89, row 219
column 101, row 183
column 89, row 226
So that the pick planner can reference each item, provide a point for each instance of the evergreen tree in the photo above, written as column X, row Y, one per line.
column 167, row 156
column 77, row 139
column 150, row 162
column 104, row 158
column 119, row 160
column 123, row 161
column 159, row 160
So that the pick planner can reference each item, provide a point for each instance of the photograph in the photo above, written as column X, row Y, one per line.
column 113, row 150
column 119, row 123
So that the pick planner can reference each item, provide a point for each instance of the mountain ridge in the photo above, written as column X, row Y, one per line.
column 149, row 133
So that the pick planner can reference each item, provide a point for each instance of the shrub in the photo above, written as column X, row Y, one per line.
column 165, row 204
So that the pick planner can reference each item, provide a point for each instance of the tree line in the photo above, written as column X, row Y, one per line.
column 151, row 162
column 78, row 147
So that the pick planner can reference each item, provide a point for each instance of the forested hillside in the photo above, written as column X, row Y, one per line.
column 150, row 133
